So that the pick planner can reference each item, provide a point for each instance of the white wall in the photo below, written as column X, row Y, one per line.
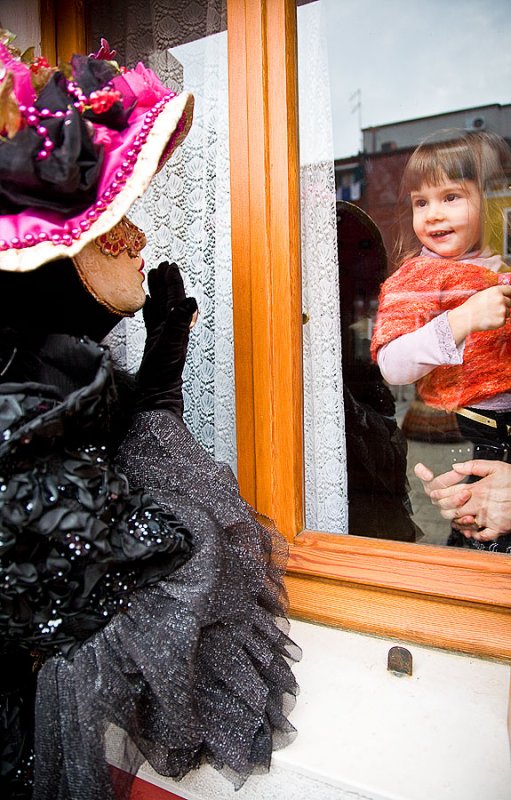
column 366, row 734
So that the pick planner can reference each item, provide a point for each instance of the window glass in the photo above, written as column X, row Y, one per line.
column 186, row 211
column 375, row 80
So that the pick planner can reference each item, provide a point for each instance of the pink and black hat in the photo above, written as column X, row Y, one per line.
column 77, row 148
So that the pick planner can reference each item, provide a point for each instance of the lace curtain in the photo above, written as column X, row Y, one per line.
column 186, row 211
column 186, row 215
column 325, row 451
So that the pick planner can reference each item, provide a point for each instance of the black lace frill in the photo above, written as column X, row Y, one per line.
column 192, row 667
column 75, row 541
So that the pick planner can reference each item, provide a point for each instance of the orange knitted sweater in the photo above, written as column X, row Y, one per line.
column 422, row 289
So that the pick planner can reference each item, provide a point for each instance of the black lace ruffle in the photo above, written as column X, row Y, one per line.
column 74, row 544
column 75, row 541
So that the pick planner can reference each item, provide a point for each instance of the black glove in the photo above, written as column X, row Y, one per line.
column 167, row 314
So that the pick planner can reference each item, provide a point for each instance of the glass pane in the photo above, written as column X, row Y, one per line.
column 186, row 211
column 374, row 83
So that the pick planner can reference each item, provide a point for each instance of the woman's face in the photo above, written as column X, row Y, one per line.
column 111, row 268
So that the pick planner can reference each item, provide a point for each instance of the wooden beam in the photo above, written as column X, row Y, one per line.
column 70, row 24
column 266, row 257
column 48, row 31
column 476, row 629
column 438, row 596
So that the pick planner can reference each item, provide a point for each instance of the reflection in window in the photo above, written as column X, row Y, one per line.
column 442, row 316
column 383, row 104
column 376, row 448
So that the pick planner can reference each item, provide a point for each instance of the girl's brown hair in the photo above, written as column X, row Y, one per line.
column 482, row 157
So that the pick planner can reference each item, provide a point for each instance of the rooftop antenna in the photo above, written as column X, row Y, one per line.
column 356, row 105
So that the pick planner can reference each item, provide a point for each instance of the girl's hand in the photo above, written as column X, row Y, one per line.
column 486, row 310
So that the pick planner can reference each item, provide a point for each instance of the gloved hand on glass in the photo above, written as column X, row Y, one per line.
column 168, row 316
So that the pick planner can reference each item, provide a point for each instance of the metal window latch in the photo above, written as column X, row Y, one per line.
column 400, row 661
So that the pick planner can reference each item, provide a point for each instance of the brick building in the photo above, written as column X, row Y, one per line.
column 371, row 179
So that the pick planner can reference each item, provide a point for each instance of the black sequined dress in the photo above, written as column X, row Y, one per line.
column 152, row 600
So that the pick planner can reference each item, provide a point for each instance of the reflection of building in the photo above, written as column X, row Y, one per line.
column 371, row 179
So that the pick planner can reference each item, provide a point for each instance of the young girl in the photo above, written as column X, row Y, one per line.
column 443, row 316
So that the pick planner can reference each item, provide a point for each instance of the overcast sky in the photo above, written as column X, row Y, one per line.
column 413, row 58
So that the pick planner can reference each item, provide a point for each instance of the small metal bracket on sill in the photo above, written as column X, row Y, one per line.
column 400, row 661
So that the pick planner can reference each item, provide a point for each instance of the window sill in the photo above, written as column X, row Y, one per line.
column 429, row 595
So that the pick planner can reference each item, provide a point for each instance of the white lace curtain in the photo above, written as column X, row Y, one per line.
column 186, row 215
column 326, row 487
column 186, row 212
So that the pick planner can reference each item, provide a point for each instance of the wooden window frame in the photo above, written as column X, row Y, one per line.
column 425, row 594
column 430, row 595
column 62, row 29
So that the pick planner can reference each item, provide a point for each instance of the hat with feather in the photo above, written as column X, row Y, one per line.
column 78, row 145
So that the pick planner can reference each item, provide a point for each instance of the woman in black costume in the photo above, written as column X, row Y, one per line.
column 137, row 589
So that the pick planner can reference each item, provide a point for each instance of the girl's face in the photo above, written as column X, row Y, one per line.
column 447, row 217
